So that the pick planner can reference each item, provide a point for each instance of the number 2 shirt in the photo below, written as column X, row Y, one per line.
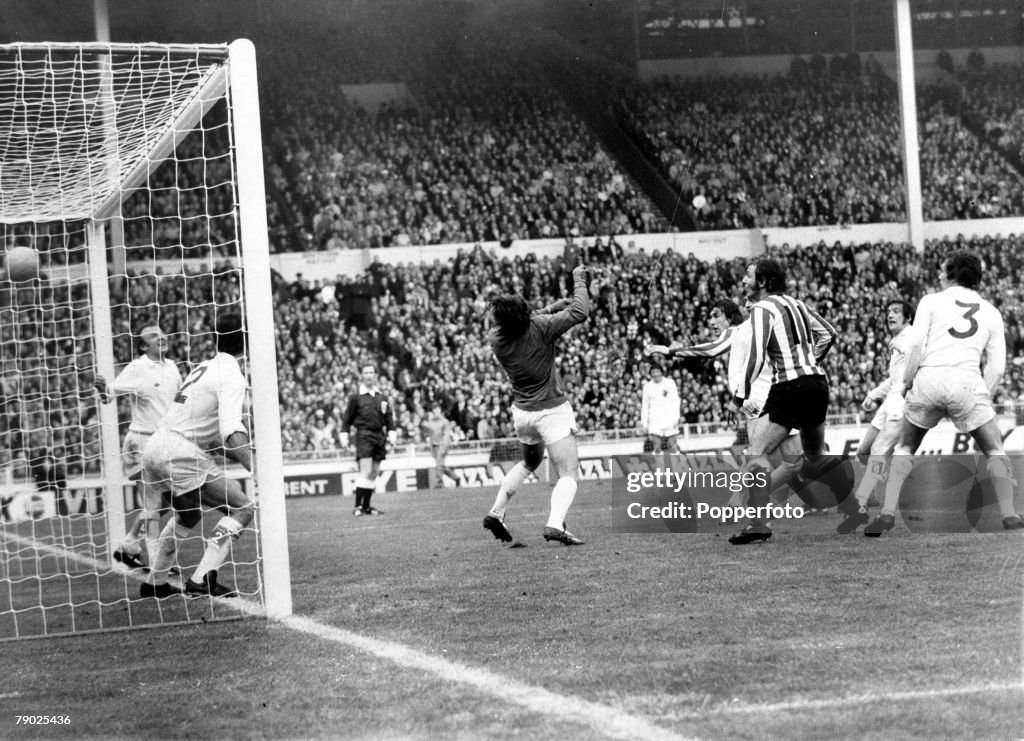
column 210, row 403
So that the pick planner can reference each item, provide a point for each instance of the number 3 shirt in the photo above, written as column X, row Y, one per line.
column 957, row 328
column 209, row 405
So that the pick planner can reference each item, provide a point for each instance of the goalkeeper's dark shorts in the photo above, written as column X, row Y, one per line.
column 371, row 444
column 800, row 404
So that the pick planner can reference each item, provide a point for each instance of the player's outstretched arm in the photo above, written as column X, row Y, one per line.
column 713, row 349
column 555, row 325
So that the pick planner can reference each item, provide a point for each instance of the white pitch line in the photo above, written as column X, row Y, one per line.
column 601, row 720
column 889, row 698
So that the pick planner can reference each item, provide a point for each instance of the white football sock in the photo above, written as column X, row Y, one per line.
column 899, row 470
column 132, row 541
column 165, row 550
column 509, row 484
column 874, row 472
column 217, row 547
column 1002, row 482
column 561, row 499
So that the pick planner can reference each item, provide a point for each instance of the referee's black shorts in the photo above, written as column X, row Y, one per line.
column 371, row 444
column 799, row 404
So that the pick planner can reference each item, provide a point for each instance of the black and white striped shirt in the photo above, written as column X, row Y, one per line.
column 711, row 349
column 790, row 337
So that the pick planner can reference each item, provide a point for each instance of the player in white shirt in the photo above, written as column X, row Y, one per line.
column 206, row 413
column 886, row 401
column 150, row 383
column 955, row 361
column 659, row 410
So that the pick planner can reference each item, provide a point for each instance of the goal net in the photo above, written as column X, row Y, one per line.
column 135, row 174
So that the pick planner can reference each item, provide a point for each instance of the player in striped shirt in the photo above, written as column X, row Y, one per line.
column 956, row 359
column 734, row 338
column 791, row 339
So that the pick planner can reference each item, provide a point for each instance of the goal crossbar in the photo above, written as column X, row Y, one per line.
column 24, row 185
column 216, row 52
column 175, row 131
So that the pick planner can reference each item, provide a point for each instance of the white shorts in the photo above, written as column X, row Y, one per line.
column 545, row 425
column 948, row 392
column 891, row 410
column 131, row 454
column 169, row 460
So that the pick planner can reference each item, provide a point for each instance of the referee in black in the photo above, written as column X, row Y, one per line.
column 370, row 415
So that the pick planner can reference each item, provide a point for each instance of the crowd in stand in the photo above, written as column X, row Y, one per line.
column 479, row 157
column 968, row 177
column 465, row 151
column 779, row 151
column 476, row 157
column 425, row 326
column 992, row 97
column 472, row 157
column 820, row 145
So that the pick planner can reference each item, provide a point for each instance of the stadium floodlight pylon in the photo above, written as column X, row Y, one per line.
column 136, row 172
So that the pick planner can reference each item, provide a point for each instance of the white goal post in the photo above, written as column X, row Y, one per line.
column 135, row 171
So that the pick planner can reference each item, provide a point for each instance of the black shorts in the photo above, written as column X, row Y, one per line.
column 370, row 444
column 799, row 404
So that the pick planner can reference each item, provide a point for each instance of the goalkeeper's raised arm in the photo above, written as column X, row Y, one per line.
column 524, row 344
column 553, row 324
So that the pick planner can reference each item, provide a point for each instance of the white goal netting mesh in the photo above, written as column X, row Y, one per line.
column 141, row 141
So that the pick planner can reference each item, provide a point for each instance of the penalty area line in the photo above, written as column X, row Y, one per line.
column 852, row 701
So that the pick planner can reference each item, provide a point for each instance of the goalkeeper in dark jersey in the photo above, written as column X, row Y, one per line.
column 524, row 344
column 370, row 413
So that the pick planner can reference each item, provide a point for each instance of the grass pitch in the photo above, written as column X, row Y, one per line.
column 418, row 624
